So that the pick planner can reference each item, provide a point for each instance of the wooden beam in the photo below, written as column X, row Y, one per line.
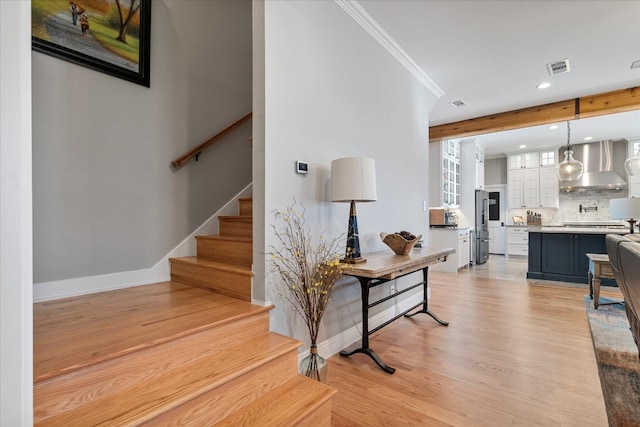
column 618, row 101
column 532, row 116
column 571, row 109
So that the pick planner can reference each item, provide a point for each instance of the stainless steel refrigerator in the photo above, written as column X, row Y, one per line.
column 482, row 226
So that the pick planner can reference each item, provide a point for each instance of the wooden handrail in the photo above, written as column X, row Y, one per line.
column 200, row 148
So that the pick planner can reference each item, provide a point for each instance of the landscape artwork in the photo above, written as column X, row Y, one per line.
column 110, row 36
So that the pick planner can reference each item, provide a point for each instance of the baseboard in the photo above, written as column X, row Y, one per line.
column 160, row 272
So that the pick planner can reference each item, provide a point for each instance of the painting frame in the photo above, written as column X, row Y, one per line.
column 84, row 59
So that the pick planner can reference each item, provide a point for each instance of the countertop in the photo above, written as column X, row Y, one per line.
column 578, row 230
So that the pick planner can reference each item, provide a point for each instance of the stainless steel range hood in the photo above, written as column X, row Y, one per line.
column 603, row 166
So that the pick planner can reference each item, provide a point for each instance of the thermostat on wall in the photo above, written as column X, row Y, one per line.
column 302, row 167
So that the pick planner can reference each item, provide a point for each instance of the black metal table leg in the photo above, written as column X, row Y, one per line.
column 365, row 285
column 425, row 305
column 372, row 354
column 365, row 349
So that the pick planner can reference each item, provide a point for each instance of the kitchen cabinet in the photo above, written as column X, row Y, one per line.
column 452, row 238
column 549, row 188
column 464, row 246
column 479, row 164
column 517, row 241
column 634, row 180
column 533, row 185
column 524, row 191
column 472, row 163
column 523, row 160
column 562, row 256
column 444, row 172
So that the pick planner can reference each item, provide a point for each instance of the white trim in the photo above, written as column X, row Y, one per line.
column 352, row 335
column 357, row 12
column 16, row 218
column 160, row 272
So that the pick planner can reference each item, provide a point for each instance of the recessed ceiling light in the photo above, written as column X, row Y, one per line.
column 588, row 138
column 636, row 64
column 553, row 127
column 544, row 85
column 523, row 146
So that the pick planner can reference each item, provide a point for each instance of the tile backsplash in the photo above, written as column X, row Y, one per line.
column 596, row 202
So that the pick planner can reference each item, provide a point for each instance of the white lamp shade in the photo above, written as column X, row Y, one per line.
column 353, row 179
column 627, row 208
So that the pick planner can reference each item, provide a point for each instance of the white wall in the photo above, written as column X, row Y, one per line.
column 105, row 196
column 16, row 324
column 332, row 91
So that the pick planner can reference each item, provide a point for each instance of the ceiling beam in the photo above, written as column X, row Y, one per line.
column 572, row 109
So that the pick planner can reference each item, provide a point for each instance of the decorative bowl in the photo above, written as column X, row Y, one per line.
column 400, row 243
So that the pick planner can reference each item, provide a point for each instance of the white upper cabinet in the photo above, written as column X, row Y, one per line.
column 444, row 173
column 524, row 160
column 634, row 181
column 532, row 180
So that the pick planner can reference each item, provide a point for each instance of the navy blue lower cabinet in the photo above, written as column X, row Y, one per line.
column 562, row 256
column 535, row 250
column 558, row 254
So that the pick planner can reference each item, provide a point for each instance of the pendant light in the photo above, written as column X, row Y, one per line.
column 569, row 169
column 632, row 164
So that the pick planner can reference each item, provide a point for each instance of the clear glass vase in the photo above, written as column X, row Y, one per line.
column 314, row 366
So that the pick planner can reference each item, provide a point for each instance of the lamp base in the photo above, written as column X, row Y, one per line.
column 358, row 260
column 631, row 225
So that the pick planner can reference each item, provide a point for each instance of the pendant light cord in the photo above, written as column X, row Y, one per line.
column 568, row 135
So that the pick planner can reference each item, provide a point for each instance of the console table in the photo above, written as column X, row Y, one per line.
column 382, row 267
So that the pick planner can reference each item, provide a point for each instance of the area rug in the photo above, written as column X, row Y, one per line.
column 618, row 362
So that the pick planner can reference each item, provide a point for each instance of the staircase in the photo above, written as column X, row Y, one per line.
column 191, row 351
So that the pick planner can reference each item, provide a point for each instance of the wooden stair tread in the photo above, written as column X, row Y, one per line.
column 245, row 218
column 199, row 261
column 145, row 401
column 286, row 405
column 75, row 332
column 225, row 238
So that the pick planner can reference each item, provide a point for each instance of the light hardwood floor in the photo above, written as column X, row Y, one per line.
column 516, row 352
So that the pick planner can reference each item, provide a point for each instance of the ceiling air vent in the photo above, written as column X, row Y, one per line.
column 459, row 103
column 558, row 67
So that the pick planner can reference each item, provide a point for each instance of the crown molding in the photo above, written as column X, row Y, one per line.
column 365, row 20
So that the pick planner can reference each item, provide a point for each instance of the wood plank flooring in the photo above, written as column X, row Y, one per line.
column 516, row 353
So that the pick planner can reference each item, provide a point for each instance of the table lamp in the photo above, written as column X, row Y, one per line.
column 627, row 209
column 353, row 179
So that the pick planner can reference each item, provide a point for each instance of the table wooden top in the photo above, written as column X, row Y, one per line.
column 387, row 265
column 598, row 257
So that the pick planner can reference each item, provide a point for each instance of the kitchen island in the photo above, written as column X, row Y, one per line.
column 559, row 253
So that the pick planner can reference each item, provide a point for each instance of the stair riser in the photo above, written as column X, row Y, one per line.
column 232, row 226
column 224, row 282
column 217, row 404
column 233, row 252
column 246, row 206
column 69, row 391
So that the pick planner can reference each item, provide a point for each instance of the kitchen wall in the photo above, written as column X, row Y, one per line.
column 495, row 171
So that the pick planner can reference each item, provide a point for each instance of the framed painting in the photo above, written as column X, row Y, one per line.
column 110, row 36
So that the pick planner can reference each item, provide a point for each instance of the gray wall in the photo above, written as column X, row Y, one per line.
column 495, row 171
column 105, row 197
